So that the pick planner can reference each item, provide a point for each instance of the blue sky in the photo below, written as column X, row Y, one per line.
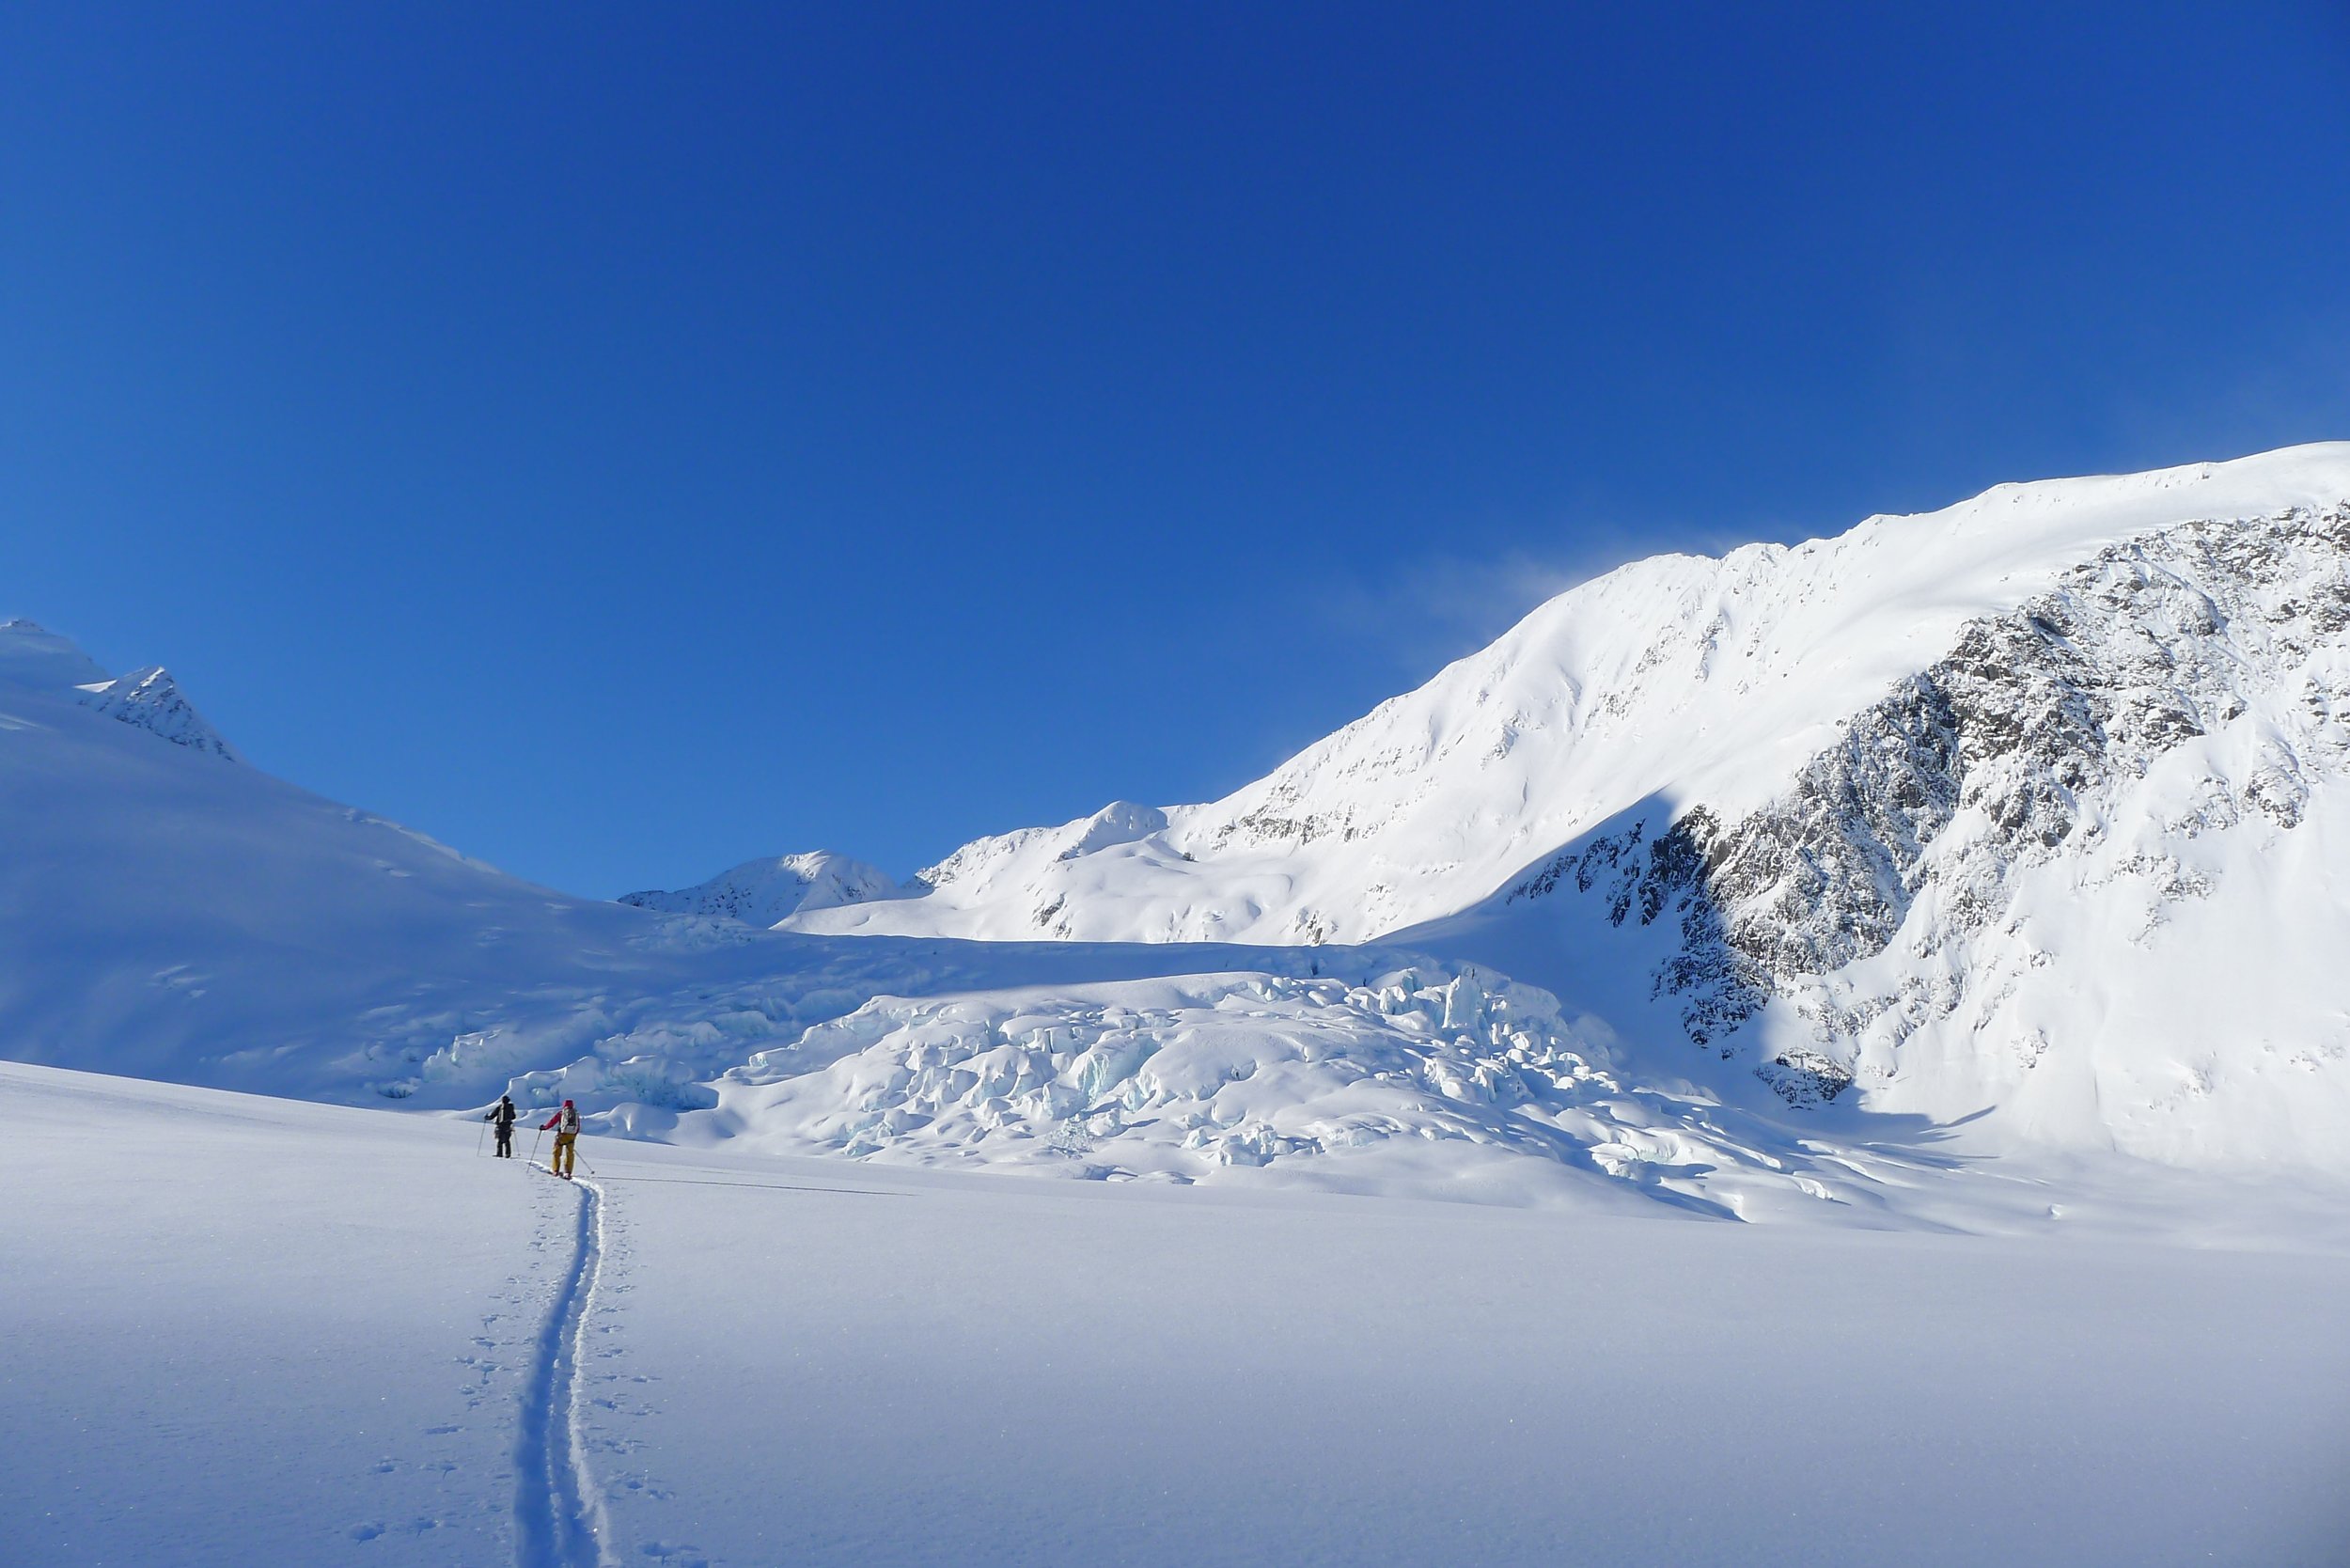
column 623, row 441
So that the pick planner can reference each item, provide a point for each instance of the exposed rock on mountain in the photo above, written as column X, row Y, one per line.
column 150, row 699
column 2156, row 721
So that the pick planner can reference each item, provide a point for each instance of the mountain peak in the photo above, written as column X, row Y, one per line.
column 150, row 699
column 762, row 892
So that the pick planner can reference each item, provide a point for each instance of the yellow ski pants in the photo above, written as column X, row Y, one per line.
column 564, row 1154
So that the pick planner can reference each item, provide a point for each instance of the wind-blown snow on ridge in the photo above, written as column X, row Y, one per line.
column 35, row 658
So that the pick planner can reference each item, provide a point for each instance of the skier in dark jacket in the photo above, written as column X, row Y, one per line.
column 566, row 1125
column 502, row 1117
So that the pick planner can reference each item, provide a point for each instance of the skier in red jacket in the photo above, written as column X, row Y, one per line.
column 566, row 1124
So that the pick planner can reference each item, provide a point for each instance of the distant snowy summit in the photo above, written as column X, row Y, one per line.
column 762, row 892
column 148, row 698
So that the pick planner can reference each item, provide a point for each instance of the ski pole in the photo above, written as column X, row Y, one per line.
column 479, row 1137
column 534, row 1145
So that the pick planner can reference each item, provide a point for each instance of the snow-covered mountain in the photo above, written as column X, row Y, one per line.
column 2032, row 805
column 762, row 892
column 2029, row 802
column 165, row 916
column 2088, row 866
column 151, row 699
column 1704, row 680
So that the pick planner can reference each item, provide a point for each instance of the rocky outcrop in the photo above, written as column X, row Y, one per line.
column 1999, row 757
column 150, row 699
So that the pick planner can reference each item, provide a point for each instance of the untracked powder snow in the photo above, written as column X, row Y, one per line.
column 244, row 1330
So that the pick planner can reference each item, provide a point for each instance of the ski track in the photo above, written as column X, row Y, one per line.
column 558, row 1512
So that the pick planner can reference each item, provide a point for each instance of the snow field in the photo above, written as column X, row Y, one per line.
column 238, row 1330
column 986, row 1372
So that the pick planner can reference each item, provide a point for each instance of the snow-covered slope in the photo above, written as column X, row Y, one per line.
column 240, row 1331
column 168, row 915
column 762, row 892
column 32, row 656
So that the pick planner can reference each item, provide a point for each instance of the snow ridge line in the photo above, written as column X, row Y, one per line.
column 558, row 1512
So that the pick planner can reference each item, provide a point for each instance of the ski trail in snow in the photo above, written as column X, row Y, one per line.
column 558, row 1512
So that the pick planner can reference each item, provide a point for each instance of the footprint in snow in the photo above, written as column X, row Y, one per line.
column 364, row 1532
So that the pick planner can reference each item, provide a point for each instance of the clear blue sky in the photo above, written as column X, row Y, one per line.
column 623, row 441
